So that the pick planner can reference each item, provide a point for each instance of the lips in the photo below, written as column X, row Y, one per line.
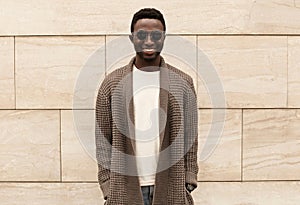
column 148, row 51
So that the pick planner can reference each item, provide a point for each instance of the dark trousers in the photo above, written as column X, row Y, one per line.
column 147, row 192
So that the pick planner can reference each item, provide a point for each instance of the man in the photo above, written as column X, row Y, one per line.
column 146, row 124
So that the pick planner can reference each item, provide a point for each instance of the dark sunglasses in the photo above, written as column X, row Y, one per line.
column 155, row 35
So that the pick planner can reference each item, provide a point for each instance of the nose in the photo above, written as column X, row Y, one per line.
column 148, row 40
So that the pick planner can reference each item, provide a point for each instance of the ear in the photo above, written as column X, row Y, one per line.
column 131, row 38
column 164, row 36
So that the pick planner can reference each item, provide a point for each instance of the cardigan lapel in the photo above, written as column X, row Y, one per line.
column 129, row 103
column 163, row 100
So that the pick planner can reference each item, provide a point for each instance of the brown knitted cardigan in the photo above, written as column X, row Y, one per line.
column 115, row 146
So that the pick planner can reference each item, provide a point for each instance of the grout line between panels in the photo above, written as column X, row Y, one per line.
column 242, row 145
column 287, row 72
column 15, row 83
column 60, row 148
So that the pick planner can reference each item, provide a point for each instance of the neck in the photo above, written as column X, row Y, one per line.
column 147, row 65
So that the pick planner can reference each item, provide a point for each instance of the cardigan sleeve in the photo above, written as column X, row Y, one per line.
column 103, row 133
column 191, row 134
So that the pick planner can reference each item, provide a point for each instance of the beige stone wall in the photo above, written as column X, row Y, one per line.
column 254, row 47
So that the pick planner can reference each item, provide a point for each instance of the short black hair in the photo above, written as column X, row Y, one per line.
column 147, row 13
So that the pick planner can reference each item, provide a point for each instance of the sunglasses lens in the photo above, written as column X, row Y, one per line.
column 141, row 35
column 156, row 35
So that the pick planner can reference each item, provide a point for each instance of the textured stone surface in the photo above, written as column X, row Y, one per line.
column 29, row 145
column 251, row 69
column 7, row 92
column 114, row 17
column 220, row 150
column 53, row 72
column 78, row 145
column 181, row 52
column 254, row 193
column 119, row 51
column 271, row 148
column 294, row 72
column 50, row 193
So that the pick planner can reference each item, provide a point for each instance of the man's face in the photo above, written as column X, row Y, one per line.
column 148, row 38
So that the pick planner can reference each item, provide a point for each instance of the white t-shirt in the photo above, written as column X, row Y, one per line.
column 146, row 88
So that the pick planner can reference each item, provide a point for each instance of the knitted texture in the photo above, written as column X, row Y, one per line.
column 115, row 145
